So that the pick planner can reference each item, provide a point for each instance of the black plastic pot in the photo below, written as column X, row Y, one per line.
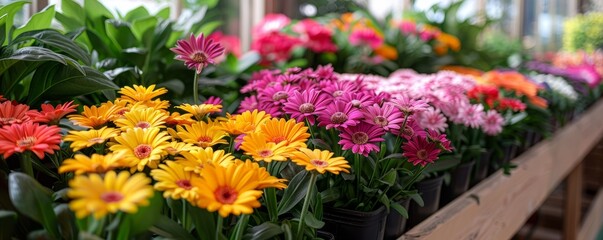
column 459, row 182
column 350, row 224
column 396, row 223
column 481, row 167
column 430, row 190
column 325, row 235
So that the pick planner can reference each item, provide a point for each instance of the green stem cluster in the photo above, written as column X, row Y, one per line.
column 302, row 218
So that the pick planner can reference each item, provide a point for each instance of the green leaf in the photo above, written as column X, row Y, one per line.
column 418, row 199
column 271, row 203
column 73, row 10
column 204, row 221
column 312, row 222
column 8, row 11
column 295, row 192
column 247, row 60
column 174, row 86
column 67, row 224
column 137, row 13
column 120, row 34
column 400, row 209
column 56, row 82
column 3, row 33
column 57, row 40
column 209, row 27
column 134, row 224
column 36, row 54
column 208, row 3
column 8, row 219
column 443, row 164
column 140, row 26
column 69, row 24
column 33, row 200
column 163, row 13
column 389, row 178
column 38, row 21
column 263, row 231
column 95, row 10
column 240, row 227
column 167, row 228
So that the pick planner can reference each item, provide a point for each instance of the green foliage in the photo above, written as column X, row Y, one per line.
column 583, row 32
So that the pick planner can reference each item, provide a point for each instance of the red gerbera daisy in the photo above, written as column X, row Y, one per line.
column 36, row 138
column 362, row 138
column 197, row 52
column 13, row 113
column 50, row 114
column 420, row 151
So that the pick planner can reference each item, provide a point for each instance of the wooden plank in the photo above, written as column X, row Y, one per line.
column 573, row 203
column 498, row 207
column 594, row 220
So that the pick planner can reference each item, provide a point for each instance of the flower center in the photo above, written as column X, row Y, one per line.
column 339, row 118
column 142, row 151
column 307, row 108
column 422, row 154
column 278, row 139
column 280, row 95
column 111, row 197
column 408, row 131
column 319, row 163
column 184, row 183
column 143, row 125
column 204, row 139
column 265, row 153
column 26, row 141
column 199, row 57
column 96, row 140
column 337, row 93
column 360, row 138
column 225, row 195
column 356, row 103
column 380, row 121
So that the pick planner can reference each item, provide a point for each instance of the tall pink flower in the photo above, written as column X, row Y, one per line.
column 492, row 122
column 432, row 119
column 339, row 115
column 387, row 116
column 366, row 36
column 249, row 103
column 213, row 100
column 197, row 52
column 419, row 151
column 472, row 115
column 362, row 138
column 29, row 136
column 306, row 104
column 410, row 105
column 315, row 36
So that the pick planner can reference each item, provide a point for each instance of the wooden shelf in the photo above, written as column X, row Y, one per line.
column 499, row 206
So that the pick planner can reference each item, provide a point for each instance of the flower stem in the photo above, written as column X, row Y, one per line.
column 414, row 178
column 26, row 165
column 219, row 227
column 302, row 224
column 184, row 215
column 196, row 88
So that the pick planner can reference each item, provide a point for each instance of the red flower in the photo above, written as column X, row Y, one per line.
column 231, row 43
column 315, row 36
column 50, row 114
column 484, row 93
column 421, row 151
column 510, row 103
column 13, row 113
column 197, row 52
column 29, row 136
column 274, row 47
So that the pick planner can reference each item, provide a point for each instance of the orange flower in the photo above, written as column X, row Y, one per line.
column 387, row 52
column 463, row 70
column 50, row 114
column 446, row 41
column 517, row 82
column 36, row 138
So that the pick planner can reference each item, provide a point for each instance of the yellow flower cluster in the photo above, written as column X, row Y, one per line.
column 187, row 155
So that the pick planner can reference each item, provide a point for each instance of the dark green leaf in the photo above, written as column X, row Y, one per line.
column 120, row 34
column 418, row 199
column 8, row 219
column 312, row 222
column 174, row 86
column 442, row 164
column 8, row 11
column 3, row 33
column 66, row 224
column 263, row 231
column 204, row 221
column 33, row 200
column 165, row 227
column 40, row 20
column 389, row 178
column 55, row 39
column 271, row 203
column 36, row 54
column 295, row 192
column 240, row 227
column 144, row 218
column 400, row 209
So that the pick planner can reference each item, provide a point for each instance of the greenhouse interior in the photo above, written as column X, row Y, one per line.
column 301, row 119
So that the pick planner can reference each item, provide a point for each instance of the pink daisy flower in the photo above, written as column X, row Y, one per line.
column 275, row 95
column 197, row 52
column 492, row 123
column 359, row 99
column 271, row 23
column 339, row 115
column 248, row 104
column 411, row 130
column 315, row 36
column 410, row 105
column 472, row 115
column 432, row 119
column 419, row 151
column 362, row 138
column 306, row 104
column 274, row 47
column 213, row 100
column 337, row 89
column 387, row 116
column 440, row 139
column 366, row 36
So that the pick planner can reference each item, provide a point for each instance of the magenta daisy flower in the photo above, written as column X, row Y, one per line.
column 411, row 129
column 492, row 122
column 339, row 115
column 432, row 119
column 420, row 151
column 276, row 95
column 440, row 139
column 306, row 104
column 387, row 116
column 249, row 103
column 472, row 115
column 362, row 138
column 213, row 100
column 410, row 105
column 337, row 89
column 358, row 99
column 197, row 52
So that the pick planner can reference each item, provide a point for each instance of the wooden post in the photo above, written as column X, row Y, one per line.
column 594, row 219
column 573, row 203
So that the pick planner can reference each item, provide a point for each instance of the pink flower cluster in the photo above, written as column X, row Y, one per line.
column 348, row 105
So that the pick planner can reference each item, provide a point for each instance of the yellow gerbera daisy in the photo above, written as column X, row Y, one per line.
column 175, row 118
column 143, row 147
column 245, row 123
column 98, row 195
column 202, row 134
column 294, row 134
column 256, row 146
column 228, row 190
column 141, row 118
column 195, row 160
column 265, row 180
column 140, row 93
column 175, row 182
column 89, row 138
column 201, row 110
column 95, row 117
column 156, row 104
column 174, row 148
column 81, row 163
column 321, row 161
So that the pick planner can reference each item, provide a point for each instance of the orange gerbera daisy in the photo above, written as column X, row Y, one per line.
column 11, row 114
column 29, row 136
column 321, row 161
column 175, row 118
column 89, row 138
column 195, row 160
column 141, row 118
column 246, row 122
column 202, row 134
column 294, row 134
column 265, row 180
column 81, row 163
column 50, row 114
column 257, row 146
column 143, row 147
column 201, row 110
column 140, row 93
column 96, row 117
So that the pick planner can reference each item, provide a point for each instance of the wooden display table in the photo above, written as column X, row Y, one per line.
column 499, row 206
